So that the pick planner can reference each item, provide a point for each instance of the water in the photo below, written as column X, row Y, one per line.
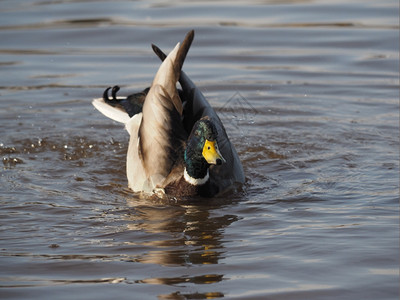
column 309, row 94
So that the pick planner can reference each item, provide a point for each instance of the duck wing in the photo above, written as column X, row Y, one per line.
column 161, row 135
column 196, row 106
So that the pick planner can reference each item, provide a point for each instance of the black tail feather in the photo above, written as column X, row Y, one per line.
column 133, row 104
column 114, row 92
column 105, row 95
column 161, row 55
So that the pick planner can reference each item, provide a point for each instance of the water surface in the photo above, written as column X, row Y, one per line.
column 309, row 94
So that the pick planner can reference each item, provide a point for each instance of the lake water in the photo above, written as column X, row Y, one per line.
column 309, row 94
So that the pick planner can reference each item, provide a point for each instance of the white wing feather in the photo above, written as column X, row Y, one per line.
column 111, row 112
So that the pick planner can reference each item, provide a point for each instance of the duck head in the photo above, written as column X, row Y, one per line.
column 202, row 149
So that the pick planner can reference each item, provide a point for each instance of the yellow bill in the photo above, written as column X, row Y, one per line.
column 212, row 154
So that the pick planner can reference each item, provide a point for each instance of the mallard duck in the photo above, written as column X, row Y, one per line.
column 178, row 145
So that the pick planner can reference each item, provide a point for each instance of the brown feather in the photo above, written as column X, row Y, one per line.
column 161, row 133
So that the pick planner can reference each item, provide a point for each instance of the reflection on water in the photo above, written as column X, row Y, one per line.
column 196, row 236
column 177, row 235
column 178, row 295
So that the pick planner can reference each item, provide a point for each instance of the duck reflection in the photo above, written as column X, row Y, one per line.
column 180, row 235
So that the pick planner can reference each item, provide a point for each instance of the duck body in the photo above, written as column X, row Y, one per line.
column 177, row 141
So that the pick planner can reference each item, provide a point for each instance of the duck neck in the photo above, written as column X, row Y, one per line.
column 196, row 171
column 196, row 181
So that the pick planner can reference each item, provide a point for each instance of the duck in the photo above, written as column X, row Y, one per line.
column 178, row 146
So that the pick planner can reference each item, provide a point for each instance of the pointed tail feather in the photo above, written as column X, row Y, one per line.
column 161, row 55
column 182, row 52
column 184, row 80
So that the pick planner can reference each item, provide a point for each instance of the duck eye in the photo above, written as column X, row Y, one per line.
column 209, row 148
